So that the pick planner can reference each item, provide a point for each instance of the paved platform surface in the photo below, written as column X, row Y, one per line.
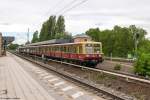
column 16, row 83
column 22, row 80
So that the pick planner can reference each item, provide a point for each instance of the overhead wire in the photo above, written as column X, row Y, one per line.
column 66, row 6
column 57, row 4
column 78, row 4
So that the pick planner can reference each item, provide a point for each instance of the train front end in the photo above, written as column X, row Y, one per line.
column 93, row 53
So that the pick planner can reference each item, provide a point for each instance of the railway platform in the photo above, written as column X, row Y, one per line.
column 17, row 84
column 22, row 80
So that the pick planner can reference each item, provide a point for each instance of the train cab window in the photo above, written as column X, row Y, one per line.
column 92, row 48
column 96, row 48
column 89, row 48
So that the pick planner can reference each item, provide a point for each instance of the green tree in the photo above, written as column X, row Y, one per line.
column 51, row 24
column 66, row 35
column 120, row 41
column 42, row 35
column 35, row 37
column 94, row 34
column 53, row 28
column 60, row 25
column 13, row 46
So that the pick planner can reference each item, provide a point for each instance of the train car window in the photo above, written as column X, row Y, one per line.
column 80, row 49
column 57, row 48
column 42, row 50
column 75, row 49
column 49, row 48
column 64, row 49
column 46, row 49
column 69, row 51
column 61, row 48
column 53, row 48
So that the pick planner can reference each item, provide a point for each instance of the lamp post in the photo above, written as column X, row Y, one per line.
column 136, row 37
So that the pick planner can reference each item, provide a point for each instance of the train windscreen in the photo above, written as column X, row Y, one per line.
column 92, row 48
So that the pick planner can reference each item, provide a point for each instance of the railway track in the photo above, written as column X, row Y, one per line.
column 100, row 91
column 123, row 75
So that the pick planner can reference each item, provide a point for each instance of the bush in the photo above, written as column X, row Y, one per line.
column 117, row 67
column 142, row 65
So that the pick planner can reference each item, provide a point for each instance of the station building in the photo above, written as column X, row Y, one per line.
column 4, row 41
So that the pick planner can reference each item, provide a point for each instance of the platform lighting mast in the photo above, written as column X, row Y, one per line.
column 28, row 36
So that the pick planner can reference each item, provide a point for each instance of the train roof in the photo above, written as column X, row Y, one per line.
column 81, row 36
column 60, row 44
column 53, row 41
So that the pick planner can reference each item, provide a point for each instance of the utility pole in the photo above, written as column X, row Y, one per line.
column 28, row 37
column 135, row 38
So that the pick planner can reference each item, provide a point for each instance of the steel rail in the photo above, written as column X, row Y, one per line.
column 77, row 79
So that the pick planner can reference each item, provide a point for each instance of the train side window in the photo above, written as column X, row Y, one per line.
column 80, row 49
column 68, row 49
column 61, row 48
column 71, row 49
column 64, row 49
column 49, row 49
column 74, row 49
column 52, row 48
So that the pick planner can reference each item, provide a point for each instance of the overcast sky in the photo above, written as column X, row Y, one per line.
column 17, row 15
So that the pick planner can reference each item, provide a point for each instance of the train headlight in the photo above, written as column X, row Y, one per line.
column 87, row 55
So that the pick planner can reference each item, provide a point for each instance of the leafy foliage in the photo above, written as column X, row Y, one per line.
column 117, row 67
column 35, row 37
column 119, row 41
column 53, row 28
column 142, row 65
column 13, row 46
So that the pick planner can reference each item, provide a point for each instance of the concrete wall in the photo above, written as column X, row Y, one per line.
column 0, row 44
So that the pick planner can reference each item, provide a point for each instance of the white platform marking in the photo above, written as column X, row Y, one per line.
column 49, row 76
column 39, row 72
column 60, row 83
column 45, row 74
column 95, row 99
column 77, row 94
column 67, row 88
column 52, row 80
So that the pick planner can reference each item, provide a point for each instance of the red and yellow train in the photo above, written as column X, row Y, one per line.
column 84, row 53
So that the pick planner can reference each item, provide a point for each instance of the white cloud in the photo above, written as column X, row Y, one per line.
column 18, row 15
